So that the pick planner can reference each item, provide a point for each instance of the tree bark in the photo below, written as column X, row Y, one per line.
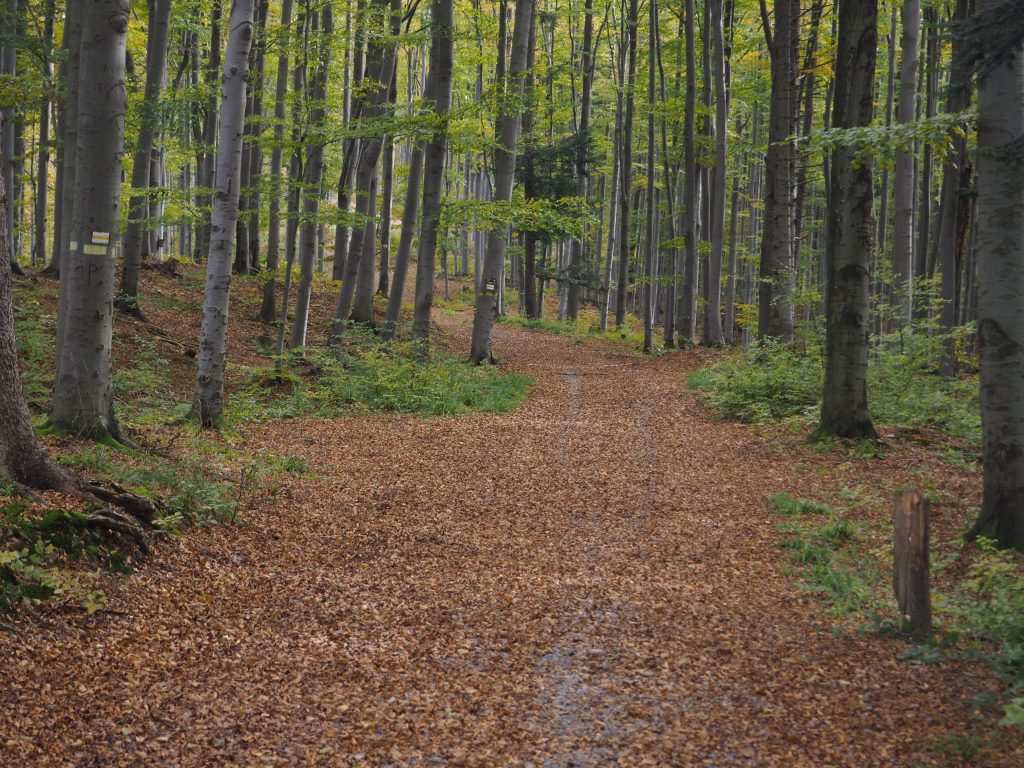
column 83, row 400
column 504, row 173
column 713, row 335
column 156, row 65
column 903, row 182
column 435, row 151
column 208, row 402
column 687, row 320
column 577, row 246
column 1001, row 284
column 651, row 241
column 626, row 168
column 844, row 409
column 404, row 254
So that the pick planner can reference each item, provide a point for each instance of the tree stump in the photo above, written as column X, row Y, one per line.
column 911, row 516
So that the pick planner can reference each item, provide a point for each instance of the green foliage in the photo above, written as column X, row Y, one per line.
column 374, row 376
column 35, row 329
column 37, row 549
column 790, row 506
column 778, row 381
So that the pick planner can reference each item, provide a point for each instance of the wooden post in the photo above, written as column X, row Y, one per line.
column 911, row 515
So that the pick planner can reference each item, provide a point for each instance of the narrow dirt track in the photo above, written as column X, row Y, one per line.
column 590, row 581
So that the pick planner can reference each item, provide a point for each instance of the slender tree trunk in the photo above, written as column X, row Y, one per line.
column 687, row 320
column 83, row 399
column 156, row 64
column 206, row 167
column 442, row 61
column 844, row 409
column 577, row 246
column 387, row 194
column 651, row 243
column 626, row 168
column 504, row 173
column 314, row 141
column 43, row 167
column 208, row 405
column 903, row 192
column 268, row 310
column 404, row 254
column 713, row 335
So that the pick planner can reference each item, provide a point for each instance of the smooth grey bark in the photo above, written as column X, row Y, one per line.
column 208, row 402
column 43, row 160
column 577, row 245
column 730, row 286
column 156, row 65
column 313, row 168
column 504, row 174
column 256, row 146
column 83, row 398
column 364, row 234
column 268, row 310
column 1000, row 240
column 890, row 91
column 953, row 207
column 626, row 168
column 651, row 204
column 528, row 139
column 930, row 78
column 775, row 290
column 8, row 132
column 713, row 335
column 205, row 171
column 687, row 320
column 387, row 173
column 355, row 300
column 903, row 181
column 442, row 61
column 844, row 408
column 404, row 253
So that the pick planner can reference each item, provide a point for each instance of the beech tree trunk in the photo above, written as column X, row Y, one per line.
column 775, row 290
column 156, row 64
column 903, row 183
column 651, row 241
column 404, row 254
column 687, row 320
column 268, row 311
column 844, row 409
column 504, row 173
column 577, row 245
column 442, row 61
column 713, row 335
column 83, row 399
column 208, row 403
column 626, row 168
column 1000, row 241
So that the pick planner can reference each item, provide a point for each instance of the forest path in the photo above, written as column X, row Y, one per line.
column 592, row 580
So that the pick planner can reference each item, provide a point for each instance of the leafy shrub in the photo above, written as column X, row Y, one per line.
column 777, row 381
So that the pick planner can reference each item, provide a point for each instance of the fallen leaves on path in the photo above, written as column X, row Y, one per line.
column 590, row 581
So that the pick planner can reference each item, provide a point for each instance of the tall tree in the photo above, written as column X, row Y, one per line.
column 903, row 186
column 651, row 205
column 208, row 400
column 504, row 174
column 626, row 166
column 83, row 398
column 138, row 208
column 775, row 290
column 713, row 335
column 1000, row 242
column 844, row 409
column 687, row 320
column 577, row 245
column 442, row 28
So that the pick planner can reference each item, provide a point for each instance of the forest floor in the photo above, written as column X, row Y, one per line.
column 591, row 580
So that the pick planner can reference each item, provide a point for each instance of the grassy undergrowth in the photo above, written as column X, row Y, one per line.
column 978, row 616
column 586, row 326
column 776, row 381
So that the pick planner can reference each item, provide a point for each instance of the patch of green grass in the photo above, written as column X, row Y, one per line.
column 791, row 506
column 34, row 327
column 373, row 376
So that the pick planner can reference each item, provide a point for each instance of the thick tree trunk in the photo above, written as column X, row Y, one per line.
column 268, row 311
column 504, row 173
column 687, row 320
column 903, row 191
column 844, row 409
column 1001, row 285
column 442, row 61
column 775, row 303
column 83, row 399
column 208, row 403
column 156, row 64
column 387, row 173
column 651, row 241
